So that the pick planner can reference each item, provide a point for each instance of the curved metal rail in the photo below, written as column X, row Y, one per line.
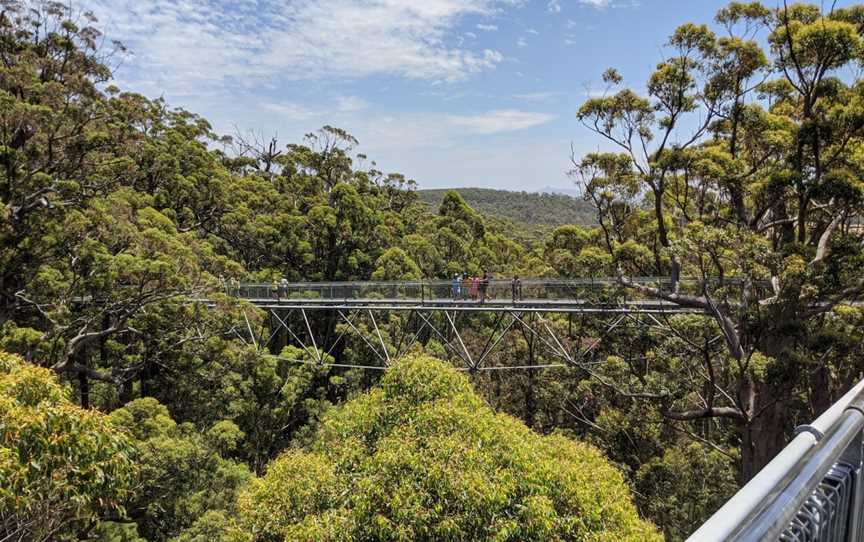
column 812, row 491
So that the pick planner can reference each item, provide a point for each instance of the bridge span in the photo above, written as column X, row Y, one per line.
column 595, row 295
column 390, row 317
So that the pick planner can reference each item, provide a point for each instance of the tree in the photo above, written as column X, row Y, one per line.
column 396, row 264
column 183, row 473
column 750, row 170
column 684, row 486
column 103, row 193
column 423, row 458
column 62, row 468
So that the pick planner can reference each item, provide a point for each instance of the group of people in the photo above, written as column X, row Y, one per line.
column 477, row 288
column 280, row 289
column 468, row 287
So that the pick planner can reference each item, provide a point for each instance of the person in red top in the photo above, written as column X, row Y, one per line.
column 475, row 283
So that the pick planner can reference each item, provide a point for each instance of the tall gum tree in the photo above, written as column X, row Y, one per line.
column 741, row 166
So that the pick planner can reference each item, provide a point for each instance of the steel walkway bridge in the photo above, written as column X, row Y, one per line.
column 812, row 491
column 408, row 311
column 595, row 295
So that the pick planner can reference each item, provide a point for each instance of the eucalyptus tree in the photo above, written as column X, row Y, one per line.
column 741, row 165
column 422, row 457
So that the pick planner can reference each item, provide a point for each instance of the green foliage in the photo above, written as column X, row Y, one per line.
column 61, row 468
column 183, row 474
column 423, row 458
column 396, row 264
column 684, row 486
column 741, row 161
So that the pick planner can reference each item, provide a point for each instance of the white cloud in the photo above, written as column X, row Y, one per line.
column 521, row 42
column 554, row 6
column 350, row 104
column 298, row 113
column 291, row 111
column 487, row 27
column 538, row 96
column 603, row 4
column 185, row 46
column 502, row 120
column 407, row 131
column 532, row 31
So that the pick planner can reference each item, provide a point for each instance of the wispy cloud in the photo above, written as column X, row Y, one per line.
column 521, row 42
column 183, row 46
column 296, row 112
column 292, row 111
column 603, row 4
column 503, row 120
column 487, row 27
column 543, row 96
column 350, row 104
column 554, row 6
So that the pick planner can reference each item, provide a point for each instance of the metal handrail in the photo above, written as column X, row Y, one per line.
column 796, row 496
column 585, row 281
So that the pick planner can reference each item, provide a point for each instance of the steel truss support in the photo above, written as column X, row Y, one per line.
column 450, row 330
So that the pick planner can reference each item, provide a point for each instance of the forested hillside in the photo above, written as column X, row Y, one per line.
column 140, row 400
column 533, row 209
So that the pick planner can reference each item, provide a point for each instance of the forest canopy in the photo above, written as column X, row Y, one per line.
column 381, row 467
column 142, row 400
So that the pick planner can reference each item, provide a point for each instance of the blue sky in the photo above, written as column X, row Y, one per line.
column 448, row 92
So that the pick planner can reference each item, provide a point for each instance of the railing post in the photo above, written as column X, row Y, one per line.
column 854, row 455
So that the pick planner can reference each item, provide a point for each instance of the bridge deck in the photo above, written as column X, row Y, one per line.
column 592, row 295
column 490, row 305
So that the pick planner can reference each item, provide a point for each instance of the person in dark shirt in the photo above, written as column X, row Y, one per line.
column 516, row 287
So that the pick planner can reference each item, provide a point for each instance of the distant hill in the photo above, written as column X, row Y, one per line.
column 523, row 207
column 563, row 191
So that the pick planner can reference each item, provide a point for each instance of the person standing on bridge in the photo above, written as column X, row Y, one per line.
column 475, row 284
column 484, row 287
column 283, row 287
column 275, row 290
column 457, row 282
column 516, row 287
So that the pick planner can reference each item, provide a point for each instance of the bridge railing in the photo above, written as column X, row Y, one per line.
column 813, row 491
column 430, row 290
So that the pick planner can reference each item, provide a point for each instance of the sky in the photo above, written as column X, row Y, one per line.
column 450, row 93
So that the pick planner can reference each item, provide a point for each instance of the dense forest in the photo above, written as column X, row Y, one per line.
column 131, row 411
column 523, row 208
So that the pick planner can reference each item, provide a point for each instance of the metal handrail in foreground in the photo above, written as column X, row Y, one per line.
column 812, row 491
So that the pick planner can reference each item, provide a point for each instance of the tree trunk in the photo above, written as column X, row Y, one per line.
column 126, row 391
column 83, row 379
column 820, row 397
column 767, row 432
